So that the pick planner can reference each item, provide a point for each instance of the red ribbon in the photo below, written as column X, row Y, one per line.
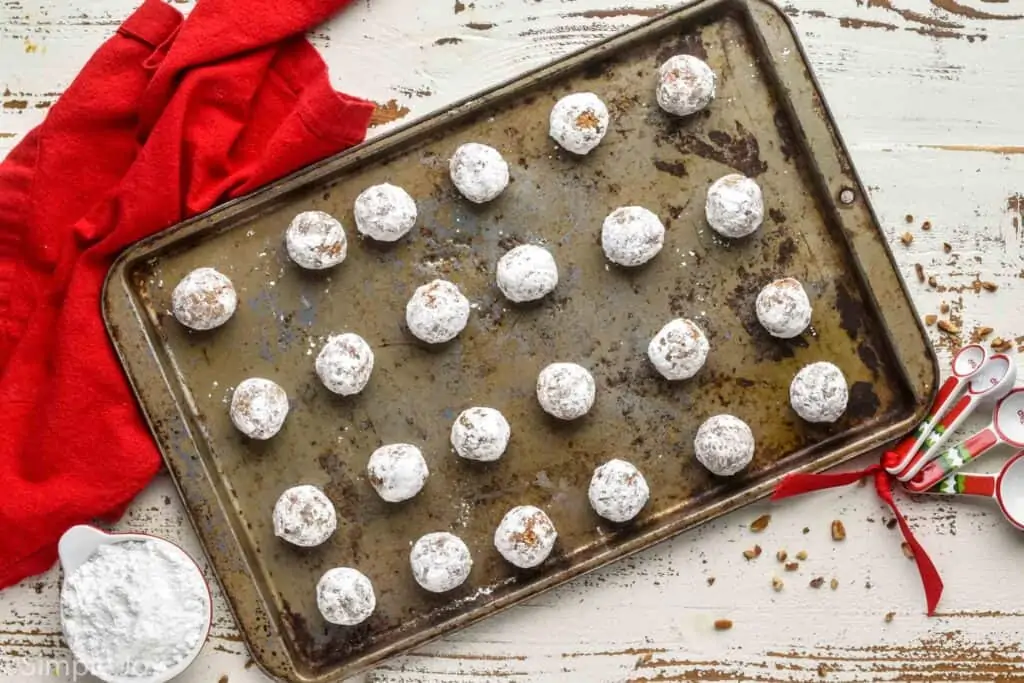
column 795, row 484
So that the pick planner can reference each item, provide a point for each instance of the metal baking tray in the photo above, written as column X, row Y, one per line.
column 769, row 121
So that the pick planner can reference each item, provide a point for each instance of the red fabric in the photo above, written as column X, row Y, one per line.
column 168, row 118
column 795, row 484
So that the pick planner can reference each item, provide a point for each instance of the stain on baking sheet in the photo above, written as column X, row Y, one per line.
column 739, row 150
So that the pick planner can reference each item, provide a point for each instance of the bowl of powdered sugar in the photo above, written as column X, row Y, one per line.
column 134, row 608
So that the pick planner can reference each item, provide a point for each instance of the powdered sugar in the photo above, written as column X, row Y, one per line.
column 480, row 434
column 734, row 206
column 397, row 471
column 304, row 516
column 578, row 122
column 204, row 299
column 384, row 212
column 566, row 390
column 525, row 536
column 679, row 349
column 685, row 85
column 478, row 172
column 632, row 236
column 724, row 444
column 259, row 407
column 437, row 312
column 345, row 363
column 134, row 609
column 316, row 240
column 818, row 393
column 345, row 596
column 440, row 561
column 618, row 491
column 527, row 273
column 783, row 308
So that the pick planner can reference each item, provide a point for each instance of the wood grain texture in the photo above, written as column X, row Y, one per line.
column 927, row 94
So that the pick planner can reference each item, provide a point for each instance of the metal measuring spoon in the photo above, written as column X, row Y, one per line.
column 967, row 362
column 993, row 380
column 1007, row 427
column 1007, row 487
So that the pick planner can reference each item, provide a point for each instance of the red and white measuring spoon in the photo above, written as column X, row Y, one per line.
column 1007, row 488
column 993, row 380
column 1007, row 427
column 967, row 362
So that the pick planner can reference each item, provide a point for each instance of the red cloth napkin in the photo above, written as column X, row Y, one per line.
column 167, row 119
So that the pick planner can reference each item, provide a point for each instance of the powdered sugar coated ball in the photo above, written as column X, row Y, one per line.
column 679, row 349
column 437, row 312
column 578, row 122
column 527, row 273
column 480, row 434
column 632, row 236
column 384, row 212
column 397, row 471
column 818, row 393
column 440, row 561
column 685, row 85
column 259, row 407
column 345, row 596
column 566, row 390
column 618, row 491
column 479, row 172
column 304, row 516
column 344, row 364
column 204, row 299
column 734, row 206
column 724, row 445
column 783, row 308
column 316, row 240
column 525, row 536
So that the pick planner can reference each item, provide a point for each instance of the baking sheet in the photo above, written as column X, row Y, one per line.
column 768, row 122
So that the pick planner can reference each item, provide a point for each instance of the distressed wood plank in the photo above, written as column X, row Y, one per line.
column 939, row 139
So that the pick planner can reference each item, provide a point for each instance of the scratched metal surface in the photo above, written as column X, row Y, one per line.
column 599, row 316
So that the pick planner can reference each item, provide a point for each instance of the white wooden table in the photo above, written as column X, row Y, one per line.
column 928, row 95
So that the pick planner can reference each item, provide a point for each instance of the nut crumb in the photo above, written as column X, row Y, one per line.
column 908, row 552
column 949, row 327
column 983, row 332
column 927, row 225
column 908, row 218
column 822, row 670
column 838, row 530
column 802, row 555
column 889, row 616
column 943, row 308
column 833, row 584
column 947, row 247
column 781, row 556
column 817, row 581
column 752, row 552
column 891, row 524
column 906, row 238
column 989, row 286
column 792, row 566
column 919, row 270
column 711, row 581
column 777, row 584
column 1000, row 344
column 930, row 319
column 760, row 524
column 807, row 530
column 723, row 624
column 932, row 282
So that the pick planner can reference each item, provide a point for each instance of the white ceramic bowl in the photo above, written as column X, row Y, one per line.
column 76, row 546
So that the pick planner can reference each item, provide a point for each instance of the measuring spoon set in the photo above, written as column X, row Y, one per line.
column 922, row 465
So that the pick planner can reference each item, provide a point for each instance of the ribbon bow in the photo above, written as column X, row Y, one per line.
column 798, row 483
